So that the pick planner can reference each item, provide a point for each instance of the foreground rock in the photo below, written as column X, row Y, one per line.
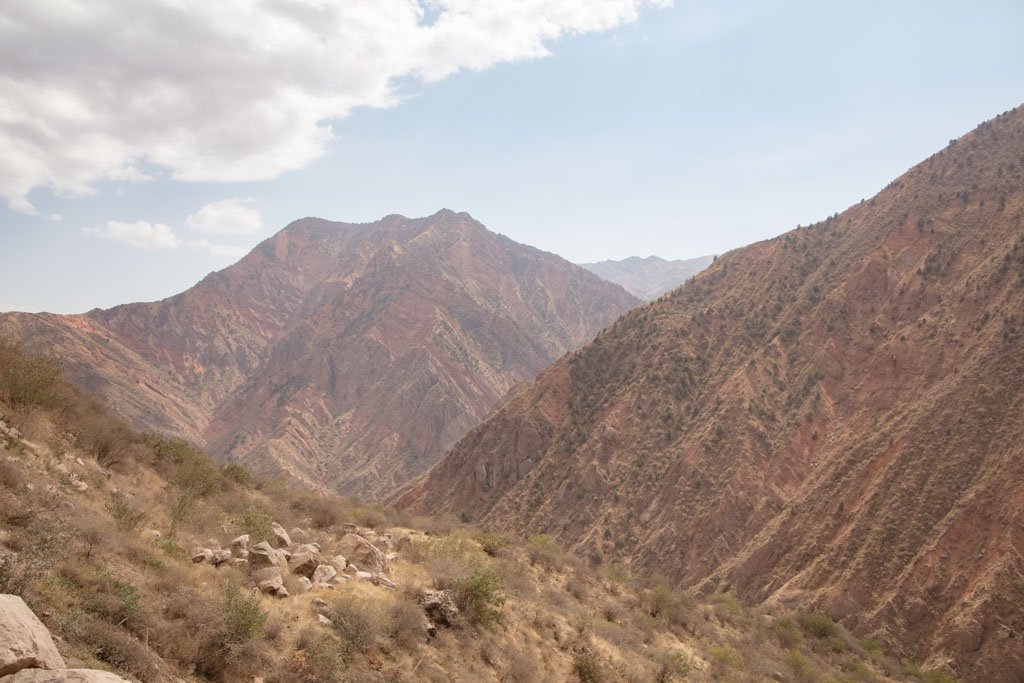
column 362, row 553
column 440, row 606
column 25, row 643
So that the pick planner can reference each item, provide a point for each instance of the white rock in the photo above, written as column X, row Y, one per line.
column 324, row 575
column 281, row 536
column 24, row 640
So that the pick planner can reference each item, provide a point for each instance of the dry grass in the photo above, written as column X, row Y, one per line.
column 121, row 599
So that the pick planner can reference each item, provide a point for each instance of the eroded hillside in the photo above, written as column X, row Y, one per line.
column 348, row 356
column 833, row 418
column 144, row 558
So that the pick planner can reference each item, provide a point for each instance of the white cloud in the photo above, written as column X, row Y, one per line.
column 146, row 235
column 141, row 234
column 226, row 217
column 56, row 217
column 234, row 90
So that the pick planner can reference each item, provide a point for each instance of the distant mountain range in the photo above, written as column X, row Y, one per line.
column 347, row 356
column 649, row 278
column 831, row 419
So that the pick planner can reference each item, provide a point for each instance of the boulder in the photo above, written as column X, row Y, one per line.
column 364, row 576
column 298, row 535
column 440, row 606
column 152, row 534
column 324, row 575
column 304, row 585
column 239, row 544
column 324, row 621
column 319, row 606
column 338, row 562
column 305, row 560
column 363, row 553
column 384, row 581
column 199, row 555
column 262, row 555
column 220, row 557
column 281, row 536
column 64, row 676
column 212, row 544
column 269, row 580
column 24, row 642
column 267, row 573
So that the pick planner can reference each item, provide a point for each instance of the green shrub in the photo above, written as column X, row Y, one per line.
column 319, row 656
column 257, row 524
column 27, row 381
column 173, row 550
column 726, row 654
column 243, row 618
column 237, row 473
column 359, row 621
column 479, row 596
column 673, row 666
column 818, row 625
column 125, row 516
column 492, row 544
column 544, row 551
column 587, row 666
column 936, row 676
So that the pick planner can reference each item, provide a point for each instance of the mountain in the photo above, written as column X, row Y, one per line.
column 833, row 418
column 143, row 559
column 348, row 356
column 649, row 278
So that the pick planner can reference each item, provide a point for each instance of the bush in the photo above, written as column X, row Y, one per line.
column 243, row 618
column 125, row 516
column 479, row 596
column 492, row 544
column 587, row 666
column 544, row 551
column 237, row 473
column 319, row 656
column 257, row 524
column 727, row 655
column 818, row 625
column 359, row 621
column 673, row 666
column 29, row 381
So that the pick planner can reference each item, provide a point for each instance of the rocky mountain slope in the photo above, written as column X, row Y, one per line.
column 134, row 557
column 345, row 355
column 832, row 418
column 648, row 278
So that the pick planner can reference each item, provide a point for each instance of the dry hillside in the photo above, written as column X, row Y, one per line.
column 832, row 419
column 143, row 558
column 348, row 356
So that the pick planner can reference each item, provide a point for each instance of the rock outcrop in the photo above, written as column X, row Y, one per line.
column 28, row 654
column 25, row 643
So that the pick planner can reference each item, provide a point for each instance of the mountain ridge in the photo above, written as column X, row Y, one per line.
column 649, row 277
column 830, row 418
column 427, row 320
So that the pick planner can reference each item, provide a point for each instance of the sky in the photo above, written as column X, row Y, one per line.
column 146, row 143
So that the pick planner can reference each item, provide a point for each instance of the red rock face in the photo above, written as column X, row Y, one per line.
column 833, row 418
column 347, row 356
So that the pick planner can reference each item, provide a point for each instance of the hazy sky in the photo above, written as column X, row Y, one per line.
column 144, row 144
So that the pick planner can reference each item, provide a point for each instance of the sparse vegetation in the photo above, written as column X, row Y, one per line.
column 121, row 590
